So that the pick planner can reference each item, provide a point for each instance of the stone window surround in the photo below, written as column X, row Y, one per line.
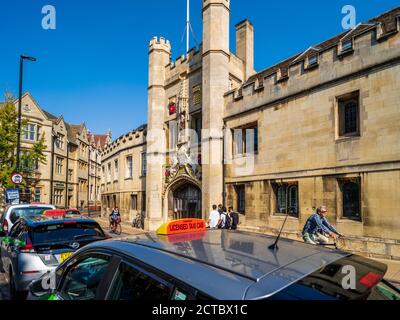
column 339, row 101
column 243, row 154
column 237, row 188
column 116, row 170
column 274, row 188
column 129, row 167
column 196, row 95
column 339, row 199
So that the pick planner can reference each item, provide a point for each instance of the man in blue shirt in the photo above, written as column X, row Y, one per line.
column 316, row 226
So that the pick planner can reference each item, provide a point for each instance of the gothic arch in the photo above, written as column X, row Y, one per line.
column 182, row 199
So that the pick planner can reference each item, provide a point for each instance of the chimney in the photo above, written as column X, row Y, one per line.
column 245, row 46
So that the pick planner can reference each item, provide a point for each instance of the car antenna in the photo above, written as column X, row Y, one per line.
column 274, row 247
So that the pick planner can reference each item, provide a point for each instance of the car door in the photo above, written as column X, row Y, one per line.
column 86, row 276
column 8, row 253
column 133, row 282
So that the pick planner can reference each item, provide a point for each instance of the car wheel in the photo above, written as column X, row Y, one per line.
column 11, row 285
column 14, row 294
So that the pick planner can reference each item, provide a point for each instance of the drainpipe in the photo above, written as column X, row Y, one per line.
column 223, row 166
column 88, row 191
column 95, row 183
column 66, row 178
column 52, row 168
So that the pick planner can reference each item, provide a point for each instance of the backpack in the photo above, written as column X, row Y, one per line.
column 235, row 218
column 228, row 222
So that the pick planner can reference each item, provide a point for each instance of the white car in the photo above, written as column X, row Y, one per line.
column 14, row 212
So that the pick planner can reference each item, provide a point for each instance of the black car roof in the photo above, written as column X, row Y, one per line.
column 38, row 220
column 222, row 259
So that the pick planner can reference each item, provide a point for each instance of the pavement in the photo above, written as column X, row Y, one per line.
column 393, row 274
column 127, row 229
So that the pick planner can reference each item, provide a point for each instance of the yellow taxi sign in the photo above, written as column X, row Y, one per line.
column 182, row 226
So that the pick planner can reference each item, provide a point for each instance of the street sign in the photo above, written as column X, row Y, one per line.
column 17, row 178
column 12, row 195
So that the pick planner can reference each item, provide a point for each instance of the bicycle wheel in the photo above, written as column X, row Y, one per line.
column 118, row 229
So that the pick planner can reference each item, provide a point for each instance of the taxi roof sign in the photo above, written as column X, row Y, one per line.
column 182, row 226
column 54, row 213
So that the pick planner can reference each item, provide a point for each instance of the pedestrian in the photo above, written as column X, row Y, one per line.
column 316, row 226
column 223, row 223
column 115, row 217
column 214, row 219
column 234, row 217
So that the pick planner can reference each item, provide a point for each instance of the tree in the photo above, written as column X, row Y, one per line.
column 30, row 157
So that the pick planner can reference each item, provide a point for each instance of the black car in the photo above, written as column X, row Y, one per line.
column 38, row 244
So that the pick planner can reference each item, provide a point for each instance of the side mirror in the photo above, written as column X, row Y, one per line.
column 2, row 232
column 45, row 285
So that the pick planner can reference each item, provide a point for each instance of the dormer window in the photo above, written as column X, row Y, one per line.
column 347, row 45
column 312, row 61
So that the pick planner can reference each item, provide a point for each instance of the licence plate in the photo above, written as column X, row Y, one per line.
column 65, row 256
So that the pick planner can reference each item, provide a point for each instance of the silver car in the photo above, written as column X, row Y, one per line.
column 12, row 213
column 37, row 245
column 218, row 264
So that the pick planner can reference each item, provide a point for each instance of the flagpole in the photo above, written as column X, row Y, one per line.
column 187, row 25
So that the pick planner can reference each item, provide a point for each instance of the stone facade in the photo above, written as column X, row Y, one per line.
column 63, row 180
column 123, row 175
column 297, row 108
column 320, row 128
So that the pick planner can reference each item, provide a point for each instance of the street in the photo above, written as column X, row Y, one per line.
column 4, row 292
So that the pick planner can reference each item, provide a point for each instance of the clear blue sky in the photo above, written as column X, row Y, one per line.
column 93, row 67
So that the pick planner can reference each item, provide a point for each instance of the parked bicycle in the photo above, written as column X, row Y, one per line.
column 138, row 222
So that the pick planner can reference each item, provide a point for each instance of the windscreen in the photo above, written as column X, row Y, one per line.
column 66, row 232
column 27, row 212
column 350, row 278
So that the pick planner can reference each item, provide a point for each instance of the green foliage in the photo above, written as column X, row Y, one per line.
column 8, row 145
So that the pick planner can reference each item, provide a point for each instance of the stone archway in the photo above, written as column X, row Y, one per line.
column 184, row 200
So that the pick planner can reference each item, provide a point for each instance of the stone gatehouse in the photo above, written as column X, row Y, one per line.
column 320, row 128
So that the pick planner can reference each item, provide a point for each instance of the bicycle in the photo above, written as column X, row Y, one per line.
column 138, row 222
column 115, row 227
column 337, row 243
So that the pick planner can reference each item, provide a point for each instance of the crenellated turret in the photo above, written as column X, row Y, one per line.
column 159, row 58
column 216, row 16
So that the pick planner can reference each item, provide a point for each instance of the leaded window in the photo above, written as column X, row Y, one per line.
column 351, row 200
column 287, row 199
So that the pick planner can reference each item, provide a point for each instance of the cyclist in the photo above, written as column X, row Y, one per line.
column 115, row 218
column 316, row 226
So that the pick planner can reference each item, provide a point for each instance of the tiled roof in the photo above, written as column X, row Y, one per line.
column 71, row 133
column 387, row 20
column 51, row 117
column 99, row 139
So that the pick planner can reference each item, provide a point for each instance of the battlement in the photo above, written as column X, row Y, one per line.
column 207, row 3
column 192, row 57
column 134, row 138
column 364, row 46
column 159, row 44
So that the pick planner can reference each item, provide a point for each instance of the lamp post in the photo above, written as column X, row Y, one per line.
column 21, row 71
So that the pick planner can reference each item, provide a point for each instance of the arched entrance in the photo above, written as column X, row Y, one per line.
column 185, row 201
